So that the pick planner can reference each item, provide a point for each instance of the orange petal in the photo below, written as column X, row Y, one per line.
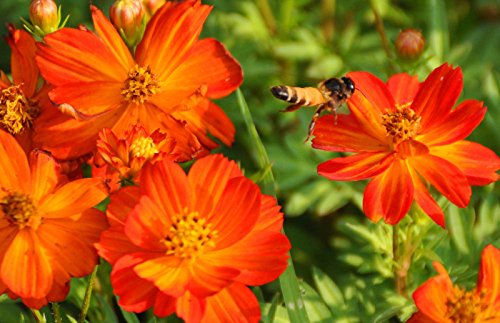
column 73, row 198
column 208, row 277
column 390, row 194
column 45, row 172
column 111, row 38
column 346, row 135
column 420, row 317
column 74, row 55
column 458, row 125
column 13, row 165
column 75, row 254
column 432, row 296
column 477, row 162
column 261, row 257
column 208, row 177
column 164, row 305
column 270, row 219
column 170, row 34
column 236, row 303
column 488, row 280
column 89, row 98
column 135, row 294
column 67, row 138
column 438, row 94
column 114, row 244
column 58, row 293
column 208, row 63
column 190, row 308
column 206, row 115
column 23, row 66
column 26, row 269
column 148, row 225
column 167, row 186
column 425, row 200
column 121, row 204
column 170, row 274
column 236, row 212
column 447, row 178
column 403, row 88
column 355, row 167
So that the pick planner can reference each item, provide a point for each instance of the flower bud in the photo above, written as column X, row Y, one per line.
column 410, row 43
column 44, row 15
column 152, row 5
column 127, row 16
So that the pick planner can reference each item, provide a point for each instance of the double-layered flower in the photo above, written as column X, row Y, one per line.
column 166, row 85
column 190, row 244
column 440, row 301
column 405, row 135
column 47, row 225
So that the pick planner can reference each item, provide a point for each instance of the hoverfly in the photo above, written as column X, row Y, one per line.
column 328, row 96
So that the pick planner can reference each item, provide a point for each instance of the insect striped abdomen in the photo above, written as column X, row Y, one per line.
column 298, row 95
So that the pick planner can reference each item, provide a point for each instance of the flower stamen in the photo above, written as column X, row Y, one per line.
column 140, row 85
column 465, row 306
column 19, row 209
column 143, row 147
column 402, row 124
column 189, row 235
column 17, row 112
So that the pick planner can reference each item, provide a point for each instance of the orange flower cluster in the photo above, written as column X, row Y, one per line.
column 184, row 244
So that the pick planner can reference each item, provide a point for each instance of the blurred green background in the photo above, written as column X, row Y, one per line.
column 301, row 42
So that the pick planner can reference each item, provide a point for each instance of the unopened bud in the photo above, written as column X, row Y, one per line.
column 127, row 16
column 44, row 15
column 410, row 43
column 152, row 6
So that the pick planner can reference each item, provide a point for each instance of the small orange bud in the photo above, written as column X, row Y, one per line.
column 44, row 15
column 152, row 5
column 410, row 43
column 127, row 16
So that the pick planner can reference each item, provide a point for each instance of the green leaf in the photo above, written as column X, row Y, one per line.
column 329, row 291
column 129, row 317
column 271, row 313
column 316, row 308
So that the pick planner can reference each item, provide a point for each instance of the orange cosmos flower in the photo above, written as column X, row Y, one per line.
column 47, row 225
column 405, row 134
column 165, row 86
column 187, row 244
column 439, row 301
column 121, row 159
column 21, row 101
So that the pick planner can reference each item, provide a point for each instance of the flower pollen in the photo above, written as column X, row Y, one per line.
column 189, row 235
column 402, row 124
column 20, row 210
column 465, row 306
column 143, row 147
column 16, row 111
column 140, row 85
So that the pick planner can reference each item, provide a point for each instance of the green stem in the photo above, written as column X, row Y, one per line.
column 267, row 14
column 379, row 25
column 38, row 316
column 88, row 296
column 56, row 312
column 288, row 280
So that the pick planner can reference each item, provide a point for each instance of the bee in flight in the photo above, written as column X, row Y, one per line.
column 328, row 96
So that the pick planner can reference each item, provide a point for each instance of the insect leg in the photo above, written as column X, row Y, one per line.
column 314, row 119
column 291, row 108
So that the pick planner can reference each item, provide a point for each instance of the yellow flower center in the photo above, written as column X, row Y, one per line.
column 189, row 236
column 402, row 124
column 16, row 111
column 140, row 85
column 20, row 210
column 143, row 147
column 465, row 306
